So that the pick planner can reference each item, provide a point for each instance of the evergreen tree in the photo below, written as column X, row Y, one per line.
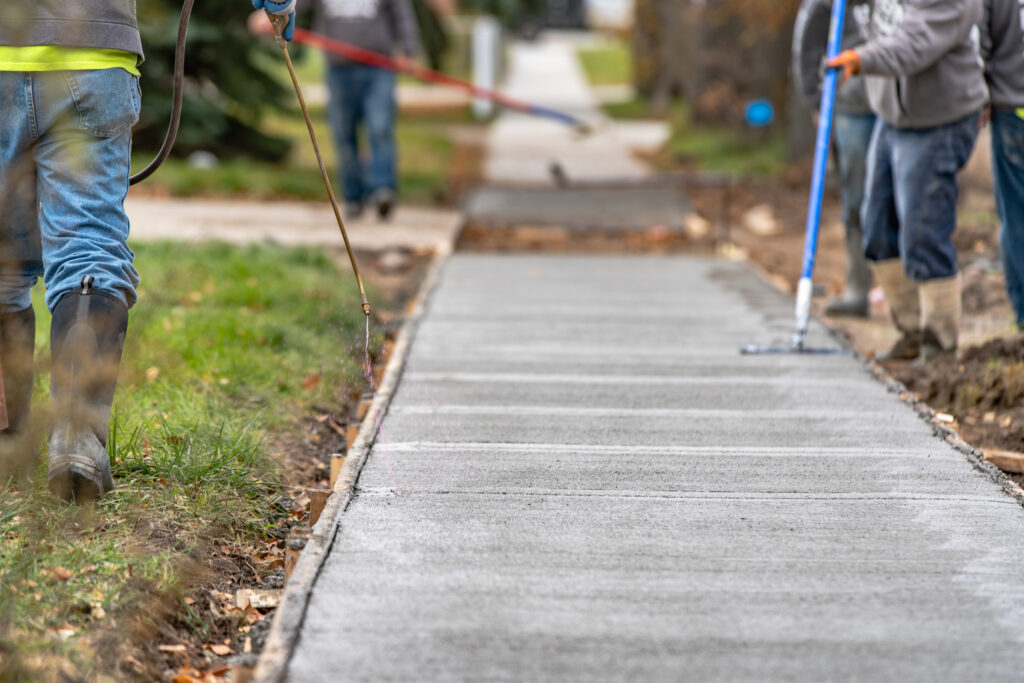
column 228, row 81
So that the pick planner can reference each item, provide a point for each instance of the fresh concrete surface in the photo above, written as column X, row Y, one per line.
column 602, row 208
column 580, row 478
column 288, row 223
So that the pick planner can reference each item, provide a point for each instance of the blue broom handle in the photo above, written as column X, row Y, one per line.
column 828, row 101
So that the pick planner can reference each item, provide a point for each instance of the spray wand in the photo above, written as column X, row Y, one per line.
column 280, row 23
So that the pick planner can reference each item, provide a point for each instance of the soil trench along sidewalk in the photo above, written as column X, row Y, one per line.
column 581, row 480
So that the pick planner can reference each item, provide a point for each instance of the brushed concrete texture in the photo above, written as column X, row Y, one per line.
column 562, row 493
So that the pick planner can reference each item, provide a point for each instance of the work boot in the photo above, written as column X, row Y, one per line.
column 941, row 312
column 854, row 301
column 17, row 356
column 384, row 199
column 904, row 305
column 86, row 340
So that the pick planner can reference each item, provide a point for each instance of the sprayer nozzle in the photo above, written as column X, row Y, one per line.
column 366, row 309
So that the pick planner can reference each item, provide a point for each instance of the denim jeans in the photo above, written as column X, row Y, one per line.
column 1008, row 162
column 853, row 139
column 363, row 95
column 910, row 208
column 65, row 147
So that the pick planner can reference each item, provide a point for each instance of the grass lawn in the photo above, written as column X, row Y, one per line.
column 610, row 63
column 709, row 148
column 226, row 347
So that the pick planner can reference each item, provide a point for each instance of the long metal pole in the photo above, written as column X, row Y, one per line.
column 279, row 24
column 805, row 289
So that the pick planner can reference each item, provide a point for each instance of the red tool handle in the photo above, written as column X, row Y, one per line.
column 358, row 54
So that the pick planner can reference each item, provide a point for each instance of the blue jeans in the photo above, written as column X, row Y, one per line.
column 910, row 209
column 363, row 94
column 65, row 148
column 853, row 139
column 1008, row 162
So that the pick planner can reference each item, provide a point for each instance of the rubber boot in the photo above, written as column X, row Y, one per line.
column 854, row 301
column 941, row 312
column 86, row 340
column 17, row 356
column 902, row 294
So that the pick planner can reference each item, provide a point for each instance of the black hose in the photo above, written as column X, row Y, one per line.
column 179, row 80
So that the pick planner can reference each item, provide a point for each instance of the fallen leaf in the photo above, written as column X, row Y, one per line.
column 311, row 382
column 257, row 599
column 247, row 648
column 98, row 612
column 172, row 649
column 184, row 678
column 59, row 573
column 190, row 601
column 87, row 570
column 219, row 650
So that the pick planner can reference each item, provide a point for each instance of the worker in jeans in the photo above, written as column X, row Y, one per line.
column 854, row 124
column 924, row 80
column 69, row 96
column 1002, row 39
column 362, row 96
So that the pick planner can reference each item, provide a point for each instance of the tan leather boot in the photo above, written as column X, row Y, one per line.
column 941, row 313
column 904, row 303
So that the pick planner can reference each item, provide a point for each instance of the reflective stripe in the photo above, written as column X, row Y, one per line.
column 55, row 58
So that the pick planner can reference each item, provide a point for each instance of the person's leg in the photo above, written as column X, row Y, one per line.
column 380, row 128
column 1008, row 166
column 881, row 246
column 83, row 158
column 853, row 138
column 927, row 162
column 20, row 267
column 343, row 112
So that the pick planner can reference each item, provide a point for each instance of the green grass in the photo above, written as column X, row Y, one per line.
column 724, row 150
column 426, row 151
column 608, row 64
column 217, row 355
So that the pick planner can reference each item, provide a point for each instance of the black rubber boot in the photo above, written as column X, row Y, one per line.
column 86, row 340
column 17, row 356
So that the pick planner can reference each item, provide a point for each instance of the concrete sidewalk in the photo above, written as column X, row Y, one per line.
column 581, row 479
column 287, row 223
column 521, row 148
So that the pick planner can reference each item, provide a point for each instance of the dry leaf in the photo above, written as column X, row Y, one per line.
column 219, row 650
column 60, row 573
column 184, row 678
column 311, row 382
column 190, row 601
column 62, row 633
column 247, row 648
column 172, row 649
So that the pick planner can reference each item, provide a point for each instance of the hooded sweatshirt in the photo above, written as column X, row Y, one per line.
column 102, row 24
column 375, row 25
column 922, row 61
column 810, row 43
column 1002, row 48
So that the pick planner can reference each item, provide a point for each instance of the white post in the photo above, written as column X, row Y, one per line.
column 486, row 61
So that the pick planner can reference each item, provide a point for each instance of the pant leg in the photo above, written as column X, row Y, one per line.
column 1008, row 165
column 20, row 250
column 853, row 140
column 925, row 166
column 380, row 128
column 83, row 158
column 878, row 215
column 344, row 112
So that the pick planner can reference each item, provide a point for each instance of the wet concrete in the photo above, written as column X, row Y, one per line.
column 580, row 478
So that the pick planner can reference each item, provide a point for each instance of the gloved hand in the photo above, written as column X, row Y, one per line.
column 849, row 62
column 280, row 9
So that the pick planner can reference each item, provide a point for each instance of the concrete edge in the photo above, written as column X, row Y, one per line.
column 291, row 612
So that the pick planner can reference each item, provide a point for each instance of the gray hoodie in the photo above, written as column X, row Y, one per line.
column 105, row 24
column 1002, row 47
column 375, row 25
column 810, row 41
column 922, row 61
